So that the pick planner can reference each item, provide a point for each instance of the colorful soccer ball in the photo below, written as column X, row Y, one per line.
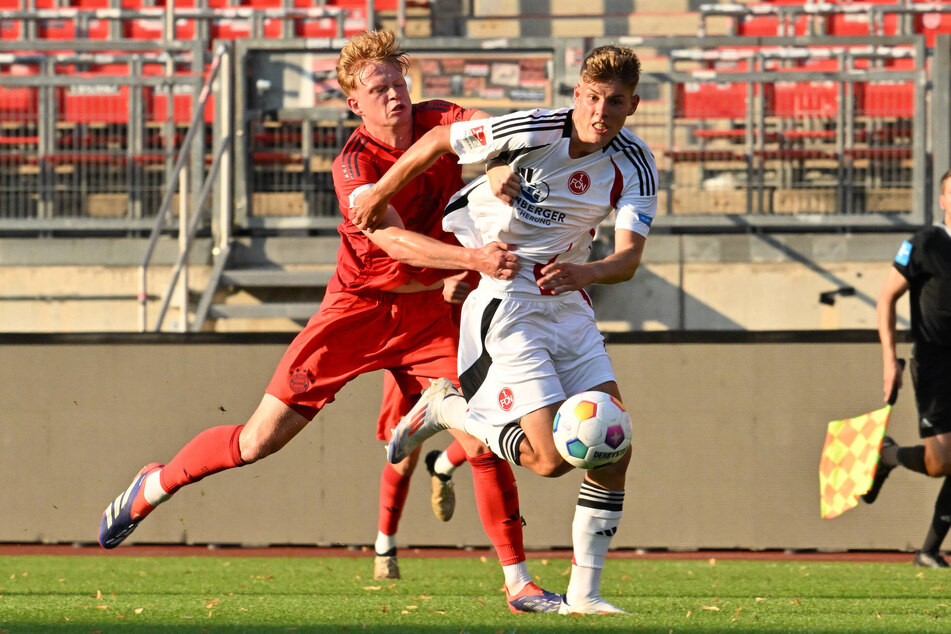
column 592, row 429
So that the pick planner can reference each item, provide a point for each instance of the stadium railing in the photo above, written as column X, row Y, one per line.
column 780, row 133
column 87, row 135
column 838, row 19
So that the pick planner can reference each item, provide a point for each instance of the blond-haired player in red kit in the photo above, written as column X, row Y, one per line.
column 383, row 309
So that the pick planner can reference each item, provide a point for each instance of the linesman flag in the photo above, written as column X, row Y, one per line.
column 849, row 458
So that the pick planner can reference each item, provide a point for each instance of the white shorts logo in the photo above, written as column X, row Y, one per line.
column 506, row 399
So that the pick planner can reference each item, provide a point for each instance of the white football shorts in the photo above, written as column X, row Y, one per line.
column 520, row 352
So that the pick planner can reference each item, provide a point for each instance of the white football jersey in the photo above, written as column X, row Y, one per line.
column 562, row 199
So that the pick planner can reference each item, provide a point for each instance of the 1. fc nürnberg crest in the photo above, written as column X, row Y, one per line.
column 579, row 182
column 506, row 399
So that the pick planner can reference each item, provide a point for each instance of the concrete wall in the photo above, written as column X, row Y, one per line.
column 728, row 435
column 687, row 282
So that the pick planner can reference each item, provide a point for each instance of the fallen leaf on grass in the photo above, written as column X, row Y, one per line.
column 712, row 608
column 102, row 607
column 759, row 599
column 688, row 614
column 98, row 594
column 139, row 610
column 878, row 615
column 713, row 562
column 372, row 587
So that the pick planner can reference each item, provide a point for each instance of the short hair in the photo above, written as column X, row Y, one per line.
column 944, row 179
column 368, row 47
column 611, row 62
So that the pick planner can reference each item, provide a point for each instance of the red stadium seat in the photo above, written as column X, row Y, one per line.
column 715, row 100
column 885, row 99
column 230, row 29
column 84, row 104
column 18, row 103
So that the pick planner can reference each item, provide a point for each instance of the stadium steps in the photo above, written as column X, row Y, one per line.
column 249, row 283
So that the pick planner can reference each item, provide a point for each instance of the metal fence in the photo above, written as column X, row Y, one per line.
column 782, row 133
column 786, row 129
column 87, row 137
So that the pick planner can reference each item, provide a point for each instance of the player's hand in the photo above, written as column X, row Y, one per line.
column 892, row 380
column 455, row 289
column 368, row 212
column 564, row 277
column 504, row 182
column 497, row 260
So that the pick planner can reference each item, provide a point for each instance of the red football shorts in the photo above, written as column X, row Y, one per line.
column 411, row 334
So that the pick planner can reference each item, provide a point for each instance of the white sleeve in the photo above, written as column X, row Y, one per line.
column 636, row 213
column 476, row 141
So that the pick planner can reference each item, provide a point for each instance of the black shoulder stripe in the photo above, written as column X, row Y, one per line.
column 527, row 123
column 351, row 150
column 438, row 105
column 635, row 153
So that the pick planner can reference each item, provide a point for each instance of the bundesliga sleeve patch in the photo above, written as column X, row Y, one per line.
column 475, row 138
column 904, row 253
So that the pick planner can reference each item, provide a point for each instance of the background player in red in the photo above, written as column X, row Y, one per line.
column 395, row 480
column 383, row 309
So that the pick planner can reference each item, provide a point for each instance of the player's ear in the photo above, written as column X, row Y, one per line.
column 577, row 92
column 635, row 99
column 354, row 106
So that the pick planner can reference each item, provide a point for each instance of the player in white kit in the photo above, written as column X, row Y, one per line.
column 528, row 343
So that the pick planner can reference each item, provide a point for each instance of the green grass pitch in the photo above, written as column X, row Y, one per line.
column 98, row 594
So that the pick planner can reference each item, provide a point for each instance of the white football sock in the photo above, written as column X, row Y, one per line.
column 152, row 490
column 384, row 543
column 452, row 411
column 516, row 577
column 443, row 466
column 584, row 585
column 597, row 516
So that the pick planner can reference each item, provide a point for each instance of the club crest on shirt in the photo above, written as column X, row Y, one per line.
column 506, row 399
column 300, row 380
column 579, row 182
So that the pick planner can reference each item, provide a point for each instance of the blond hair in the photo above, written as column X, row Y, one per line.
column 368, row 47
column 611, row 63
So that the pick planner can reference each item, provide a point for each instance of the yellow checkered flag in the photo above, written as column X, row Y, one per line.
column 849, row 459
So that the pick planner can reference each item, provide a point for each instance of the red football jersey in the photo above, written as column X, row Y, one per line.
column 364, row 159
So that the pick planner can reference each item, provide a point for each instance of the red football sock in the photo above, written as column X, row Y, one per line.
column 393, row 489
column 455, row 453
column 497, row 501
column 211, row 451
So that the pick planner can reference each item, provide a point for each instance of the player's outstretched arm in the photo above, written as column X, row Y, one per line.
column 494, row 259
column 894, row 287
column 620, row 266
column 369, row 210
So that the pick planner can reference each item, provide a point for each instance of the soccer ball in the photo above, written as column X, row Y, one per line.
column 592, row 429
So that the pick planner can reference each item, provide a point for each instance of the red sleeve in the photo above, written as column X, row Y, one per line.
column 354, row 167
column 430, row 114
